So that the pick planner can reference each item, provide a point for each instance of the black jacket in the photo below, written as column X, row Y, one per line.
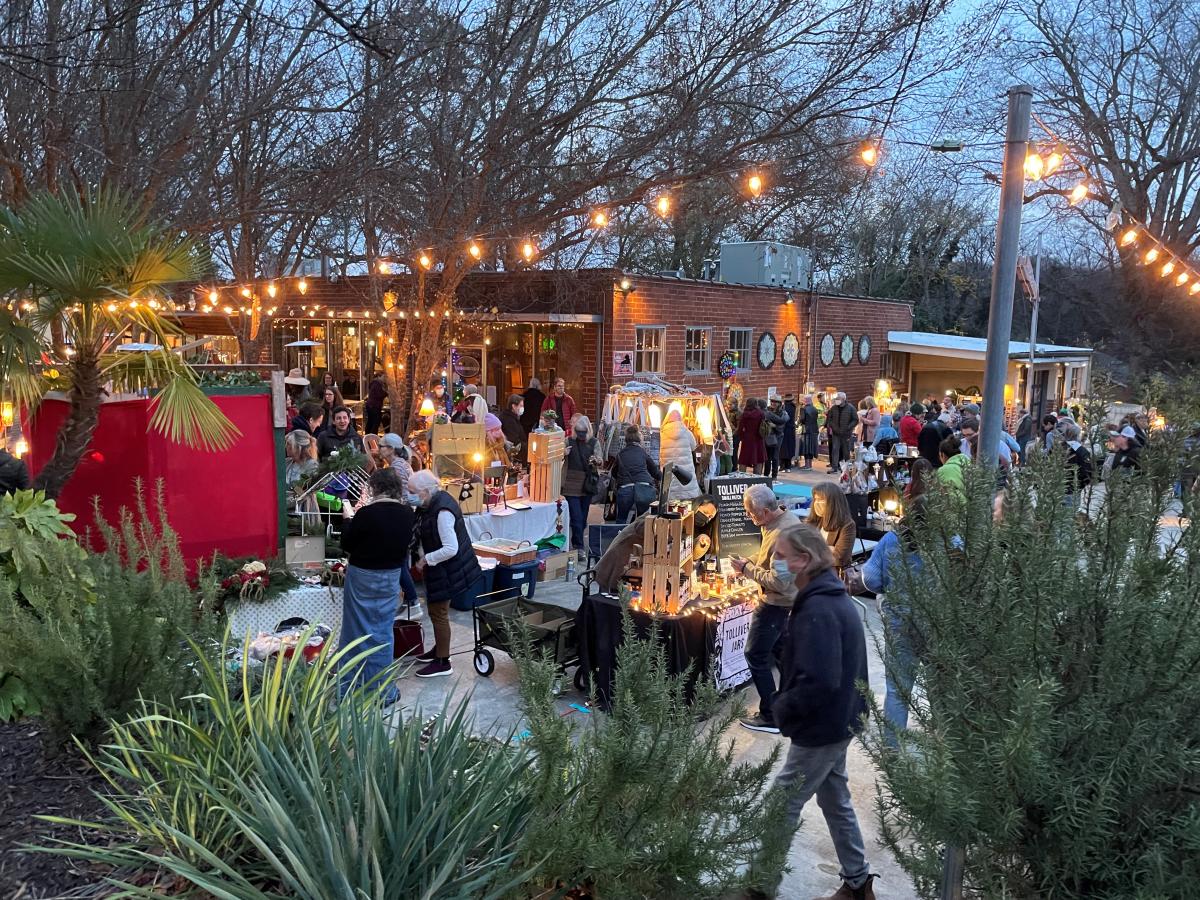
column 533, row 409
column 841, row 420
column 299, row 423
column 930, row 439
column 379, row 535
column 634, row 465
column 810, row 420
column 514, row 431
column 329, row 440
column 14, row 474
column 825, row 660
column 451, row 578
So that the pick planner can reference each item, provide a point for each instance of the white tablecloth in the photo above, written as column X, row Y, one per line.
column 531, row 524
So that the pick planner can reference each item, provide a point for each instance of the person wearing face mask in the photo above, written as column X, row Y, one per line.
column 578, row 484
column 840, row 422
column 450, row 564
column 819, row 705
column 510, row 423
column 770, row 573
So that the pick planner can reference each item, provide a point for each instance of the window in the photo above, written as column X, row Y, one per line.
column 739, row 346
column 695, row 349
column 648, row 349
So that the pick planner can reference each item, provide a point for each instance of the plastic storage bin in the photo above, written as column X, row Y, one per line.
column 511, row 582
column 477, row 593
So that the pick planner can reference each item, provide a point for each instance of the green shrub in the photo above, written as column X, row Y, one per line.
column 1060, row 742
column 90, row 633
column 259, row 786
column 647, row 801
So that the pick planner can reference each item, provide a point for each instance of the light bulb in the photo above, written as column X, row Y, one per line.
column 425, row 260
column 755, row 184
column 302, row 286
column 1182, row 278
column 1035, row 166
column 1054, row 160
column 246, row 292
column 1195, row 289
column 385, row 267
column 600, row 219
column 1151, row 254
column 112, row 307
column 475, row 250
column 663, row 205
column 869, row 153
column 272, row 290
column 1168, row 269
column 1129, row 237
column 1078, row 193
column 229, row 310
column 487, row 342
column 213, row 297
column 528, row 250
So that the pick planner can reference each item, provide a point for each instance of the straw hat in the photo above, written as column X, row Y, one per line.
column 295, row 376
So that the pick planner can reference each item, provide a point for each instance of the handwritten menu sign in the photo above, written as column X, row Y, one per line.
column 737, row 535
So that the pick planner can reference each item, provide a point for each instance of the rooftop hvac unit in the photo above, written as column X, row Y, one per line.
column 767, row 263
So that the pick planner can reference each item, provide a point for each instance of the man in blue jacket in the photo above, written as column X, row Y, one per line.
column 820, row 705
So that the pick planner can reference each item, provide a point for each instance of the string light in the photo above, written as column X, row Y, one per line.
column 599, row 219
column 662, row 205
column 302, row 287
column 229, row 310
column 754, row 184
column 1129, row 237
column 1078, row 193
column 213, row 296
column 246, row 293
column 1151, row 255
column 1035, row 166
column 869, row 152
column 1168, row 268
column 112, row 307
column 475, row 251
column 1195, row 289
column 385, row 267
column 528, row 250
column 425, row 260
column 1182, row 278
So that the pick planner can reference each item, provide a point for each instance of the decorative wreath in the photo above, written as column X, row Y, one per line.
column 727, row 364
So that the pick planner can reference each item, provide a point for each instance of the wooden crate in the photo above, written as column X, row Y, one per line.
column 547, row 451
column 471, row 505
column 667, row 562
column 457, row 450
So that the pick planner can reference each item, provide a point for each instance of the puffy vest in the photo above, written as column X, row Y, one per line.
column 452, row 577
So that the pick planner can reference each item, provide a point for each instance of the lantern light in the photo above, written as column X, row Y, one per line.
column 427, row 407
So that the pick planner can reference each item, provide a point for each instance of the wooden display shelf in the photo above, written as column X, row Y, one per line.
column 667, row 562
column 547, row 450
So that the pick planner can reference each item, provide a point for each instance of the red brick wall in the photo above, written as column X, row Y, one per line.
column 855, row 316
column 679, row 303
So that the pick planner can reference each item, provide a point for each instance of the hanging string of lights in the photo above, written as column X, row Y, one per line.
column 1130, row 233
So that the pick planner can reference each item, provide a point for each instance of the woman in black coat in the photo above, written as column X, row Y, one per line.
column 810, row 432
column 787, row 442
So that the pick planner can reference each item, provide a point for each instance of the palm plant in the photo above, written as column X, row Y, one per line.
column 84, row 275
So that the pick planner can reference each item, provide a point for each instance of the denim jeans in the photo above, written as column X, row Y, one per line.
column 822, row 771
column 579, row 516
column 368, row 610
column 767, row 625
column 626, row 501
column 900, row 672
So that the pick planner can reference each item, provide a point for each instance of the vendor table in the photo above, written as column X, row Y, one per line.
column 316, row 604
column 531, row 524
column 712, row 647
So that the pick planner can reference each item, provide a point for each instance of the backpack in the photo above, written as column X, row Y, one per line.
column 765, row 428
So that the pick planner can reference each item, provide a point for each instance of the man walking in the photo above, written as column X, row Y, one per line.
column 840, row 422
column 770, row 616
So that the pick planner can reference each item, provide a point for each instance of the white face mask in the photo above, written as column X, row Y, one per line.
column 520, row 411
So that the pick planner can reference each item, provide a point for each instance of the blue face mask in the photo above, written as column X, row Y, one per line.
column 781, row 568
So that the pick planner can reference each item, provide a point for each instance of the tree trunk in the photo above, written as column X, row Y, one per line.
column 76, row 432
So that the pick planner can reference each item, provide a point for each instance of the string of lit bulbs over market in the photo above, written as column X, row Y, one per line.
column 1043, row 161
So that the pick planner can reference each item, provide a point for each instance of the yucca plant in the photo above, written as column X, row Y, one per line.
column 84, row 275
column 262, row 786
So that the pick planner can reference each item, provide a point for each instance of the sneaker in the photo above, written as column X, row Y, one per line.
column 427, row 657
column 436, row 668
column 758, row 723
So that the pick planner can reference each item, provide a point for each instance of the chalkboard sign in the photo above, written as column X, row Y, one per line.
column 737, row 535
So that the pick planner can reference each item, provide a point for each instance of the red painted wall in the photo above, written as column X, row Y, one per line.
column 216, row 501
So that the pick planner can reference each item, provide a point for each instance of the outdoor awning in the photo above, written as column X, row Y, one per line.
column 204, row 323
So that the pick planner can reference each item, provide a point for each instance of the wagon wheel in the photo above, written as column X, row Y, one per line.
column 485, row 663
column 581, row 680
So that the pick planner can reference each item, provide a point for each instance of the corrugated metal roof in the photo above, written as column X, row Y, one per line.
column 965, row 344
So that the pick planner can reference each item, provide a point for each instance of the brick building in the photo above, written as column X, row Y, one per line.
column 582, row 326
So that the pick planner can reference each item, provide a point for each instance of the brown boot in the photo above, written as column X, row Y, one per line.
column 845, row 892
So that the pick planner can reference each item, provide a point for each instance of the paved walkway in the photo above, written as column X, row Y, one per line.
column 812, row 860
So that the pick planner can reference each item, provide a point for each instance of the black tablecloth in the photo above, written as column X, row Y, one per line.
column 686, row 640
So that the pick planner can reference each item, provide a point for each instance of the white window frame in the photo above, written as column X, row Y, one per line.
column 657, row 353
column 748, row 350
column 702, row 355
